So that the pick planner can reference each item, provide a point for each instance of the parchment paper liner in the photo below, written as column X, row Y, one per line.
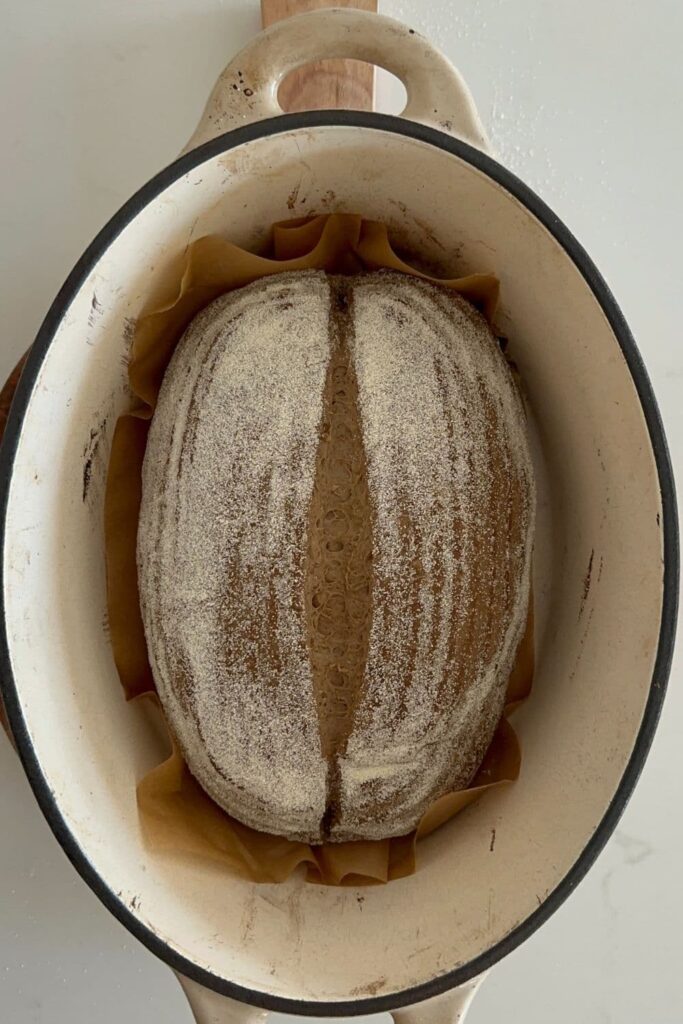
column 176, row 815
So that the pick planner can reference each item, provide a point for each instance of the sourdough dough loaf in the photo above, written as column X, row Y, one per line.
column 334, row 549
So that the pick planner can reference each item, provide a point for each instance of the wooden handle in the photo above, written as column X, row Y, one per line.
column 7, row 393
column 327, row 84
column 6, row 396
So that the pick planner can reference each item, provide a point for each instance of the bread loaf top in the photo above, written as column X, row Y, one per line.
column 334, row 549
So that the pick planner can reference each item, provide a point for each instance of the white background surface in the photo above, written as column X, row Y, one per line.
column 584, row 101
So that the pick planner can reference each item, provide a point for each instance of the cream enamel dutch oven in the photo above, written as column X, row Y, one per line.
column 606, row 558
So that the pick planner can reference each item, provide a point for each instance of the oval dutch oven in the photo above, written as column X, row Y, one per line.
column 606, row 553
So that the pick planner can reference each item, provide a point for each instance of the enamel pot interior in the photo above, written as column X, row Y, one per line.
column 605, row 575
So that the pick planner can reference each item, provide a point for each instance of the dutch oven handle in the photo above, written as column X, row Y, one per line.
column 248, row 88
column 210, row 1008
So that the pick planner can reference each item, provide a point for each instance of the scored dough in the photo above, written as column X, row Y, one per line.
column 334, row 549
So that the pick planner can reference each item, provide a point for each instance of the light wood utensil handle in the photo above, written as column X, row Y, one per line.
column 326, row 84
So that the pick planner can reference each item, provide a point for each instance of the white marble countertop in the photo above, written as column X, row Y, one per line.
column 584, row 101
